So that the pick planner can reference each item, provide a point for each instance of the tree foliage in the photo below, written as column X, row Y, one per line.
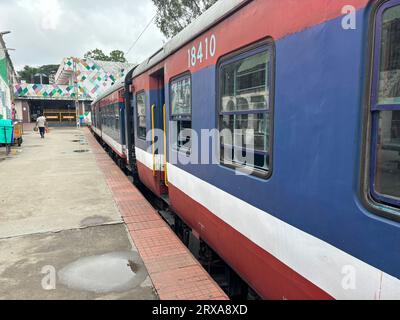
column 28, row 72
column 97, row 54
column 174, row 15
column 117, row 56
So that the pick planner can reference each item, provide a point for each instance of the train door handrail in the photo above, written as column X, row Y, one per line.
column 153, row 139
column 165, row 145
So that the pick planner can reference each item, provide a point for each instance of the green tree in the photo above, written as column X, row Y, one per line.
column 49, row 69
column 28, row 72
column 174, row 15
column 117, row 56
column 99, row 55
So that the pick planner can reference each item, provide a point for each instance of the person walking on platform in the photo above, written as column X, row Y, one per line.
column 41, row 123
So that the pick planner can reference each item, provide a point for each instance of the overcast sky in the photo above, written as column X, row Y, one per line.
column 45, row 31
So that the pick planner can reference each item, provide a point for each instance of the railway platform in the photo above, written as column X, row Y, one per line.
column 72, row 226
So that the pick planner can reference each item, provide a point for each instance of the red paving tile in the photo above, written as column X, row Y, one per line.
column 175, row 273
column 146, row 225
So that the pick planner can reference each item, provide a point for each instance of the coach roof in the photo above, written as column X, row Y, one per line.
column 211, row 17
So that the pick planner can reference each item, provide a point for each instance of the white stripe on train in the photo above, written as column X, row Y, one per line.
column 97, row 131
column 113, row 144
column 147, row 159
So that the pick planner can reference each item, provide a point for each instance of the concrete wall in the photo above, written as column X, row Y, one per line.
column 5, row 99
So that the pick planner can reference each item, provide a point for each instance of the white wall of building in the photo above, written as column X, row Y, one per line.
column 5, row 100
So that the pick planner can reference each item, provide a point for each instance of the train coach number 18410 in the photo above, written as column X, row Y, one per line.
column 202, row 51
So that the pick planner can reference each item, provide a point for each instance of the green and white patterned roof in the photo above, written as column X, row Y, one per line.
column 76, row 78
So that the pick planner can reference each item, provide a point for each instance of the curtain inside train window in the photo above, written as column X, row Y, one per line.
column 141, row 115
column 386, row 109
column 389, row 75
column 117, row 131
column 181, row 112
column 245, row 111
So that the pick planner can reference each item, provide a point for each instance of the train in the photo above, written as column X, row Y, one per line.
column 302, row 201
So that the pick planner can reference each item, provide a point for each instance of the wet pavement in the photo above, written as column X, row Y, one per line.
column 112, row 272
column 174, row 271
column 61, row 234
column 48, row 187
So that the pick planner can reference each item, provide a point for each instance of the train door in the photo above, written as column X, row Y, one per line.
column 100, row 118
column 158, row 121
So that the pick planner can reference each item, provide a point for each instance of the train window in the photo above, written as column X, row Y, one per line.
column 109, row 119
column 116, row 116
column 181, row 111
column 245, row 115
column 385, row 168
column 141, row 115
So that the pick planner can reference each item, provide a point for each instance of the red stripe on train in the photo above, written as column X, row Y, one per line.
column 271, row 278
column 151, row 182
column 121, row 155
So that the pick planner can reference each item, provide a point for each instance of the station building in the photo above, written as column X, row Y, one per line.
column 8, row 78
column 76, row 84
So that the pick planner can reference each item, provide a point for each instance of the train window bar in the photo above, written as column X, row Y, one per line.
column 245, row 105
column 141, row 115
column 385, row 107
column 181, row 111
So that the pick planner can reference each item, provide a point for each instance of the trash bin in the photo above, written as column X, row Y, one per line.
column 6, row 132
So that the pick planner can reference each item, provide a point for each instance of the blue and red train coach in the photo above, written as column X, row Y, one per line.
column 315, row 87
column 108, row 120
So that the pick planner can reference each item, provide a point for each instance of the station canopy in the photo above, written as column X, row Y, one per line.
column 76, row 79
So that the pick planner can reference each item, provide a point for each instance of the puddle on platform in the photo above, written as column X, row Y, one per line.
column 81, row 151
column 82, row 142
column 75, row 151
column 113, row 272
